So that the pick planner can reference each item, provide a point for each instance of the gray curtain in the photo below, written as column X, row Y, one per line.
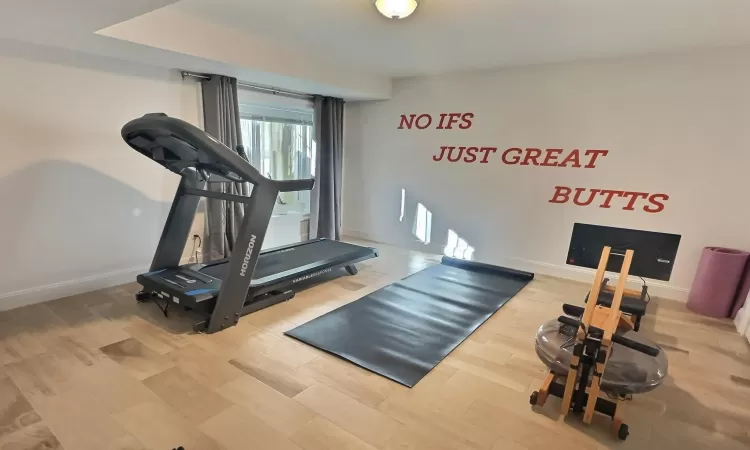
column 325, row 220
column 221, row 115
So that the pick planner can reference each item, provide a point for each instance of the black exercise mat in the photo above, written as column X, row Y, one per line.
column 405, row 329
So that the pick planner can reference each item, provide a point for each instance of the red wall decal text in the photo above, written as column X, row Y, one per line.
column 447, row 121
column 536, row 157
column 551, row 157
column 604, row 198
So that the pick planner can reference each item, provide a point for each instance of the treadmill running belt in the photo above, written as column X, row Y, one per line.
column 290, row 258
column 405, row 329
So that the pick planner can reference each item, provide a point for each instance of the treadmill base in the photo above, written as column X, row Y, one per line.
column 275, row 297
column 256, row 304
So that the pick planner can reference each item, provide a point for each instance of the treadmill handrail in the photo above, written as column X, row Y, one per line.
column 304, row 184
column 199, row 139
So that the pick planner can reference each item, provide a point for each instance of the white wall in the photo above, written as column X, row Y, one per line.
column 79, row 209
column 676, row 124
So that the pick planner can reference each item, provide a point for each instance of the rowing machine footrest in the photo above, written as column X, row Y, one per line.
column 630, row 305
column 637, row 346
column 572, row 310
column 569, row 321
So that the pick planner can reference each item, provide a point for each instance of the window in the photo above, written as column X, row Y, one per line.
column 277, row 134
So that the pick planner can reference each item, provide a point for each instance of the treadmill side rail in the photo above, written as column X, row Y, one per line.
column 315, row 268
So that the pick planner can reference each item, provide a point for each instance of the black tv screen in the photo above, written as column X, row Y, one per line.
column 654, row 252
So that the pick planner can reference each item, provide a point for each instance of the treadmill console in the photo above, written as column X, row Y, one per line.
column 181, row 285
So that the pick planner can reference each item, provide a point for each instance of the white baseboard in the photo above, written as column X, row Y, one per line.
column 54, row 291
column 655, row 288
column 357, row 234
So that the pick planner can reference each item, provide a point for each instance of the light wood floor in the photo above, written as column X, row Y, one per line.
column 99, row 371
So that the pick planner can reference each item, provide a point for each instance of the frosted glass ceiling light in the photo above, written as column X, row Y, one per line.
column 396, row 9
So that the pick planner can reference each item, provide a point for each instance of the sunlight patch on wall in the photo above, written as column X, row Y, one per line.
column 423, row 224
column 403, row 205
column 457, row 247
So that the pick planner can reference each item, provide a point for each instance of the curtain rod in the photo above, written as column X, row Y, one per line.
column 252, row 87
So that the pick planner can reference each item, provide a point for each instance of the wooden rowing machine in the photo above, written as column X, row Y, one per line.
column 596, row 328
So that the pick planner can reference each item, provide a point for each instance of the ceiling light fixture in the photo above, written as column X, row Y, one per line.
column 396, row 9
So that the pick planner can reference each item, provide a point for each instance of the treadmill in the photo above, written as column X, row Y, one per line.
column 250, row 280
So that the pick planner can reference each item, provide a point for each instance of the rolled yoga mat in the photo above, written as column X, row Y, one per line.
column 716, row 281
column 744, row 289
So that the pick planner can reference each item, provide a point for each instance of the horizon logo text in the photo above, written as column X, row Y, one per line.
column 248, row 255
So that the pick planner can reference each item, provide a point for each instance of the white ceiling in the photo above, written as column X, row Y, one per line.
column 343, row 47
column 456, row 35
column 59, row 30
